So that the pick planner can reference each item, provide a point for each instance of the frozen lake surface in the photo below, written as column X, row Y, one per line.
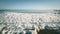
column 23, row 21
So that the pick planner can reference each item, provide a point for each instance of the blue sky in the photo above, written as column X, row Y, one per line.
column 29, row 4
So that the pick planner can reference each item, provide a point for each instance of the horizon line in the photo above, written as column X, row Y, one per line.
column 29, row 9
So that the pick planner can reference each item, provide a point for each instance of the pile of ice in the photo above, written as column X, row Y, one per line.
column 20, row 21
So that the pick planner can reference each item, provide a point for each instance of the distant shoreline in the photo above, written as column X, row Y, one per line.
column 32, row 11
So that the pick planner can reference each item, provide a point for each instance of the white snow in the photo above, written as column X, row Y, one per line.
column 25, row 20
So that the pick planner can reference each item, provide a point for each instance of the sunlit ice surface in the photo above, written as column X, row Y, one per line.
column 21, row 22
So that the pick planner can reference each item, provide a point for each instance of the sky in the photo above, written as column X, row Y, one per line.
column 30, row 4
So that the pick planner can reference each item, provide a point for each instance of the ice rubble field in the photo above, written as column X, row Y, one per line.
column 25, row 20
